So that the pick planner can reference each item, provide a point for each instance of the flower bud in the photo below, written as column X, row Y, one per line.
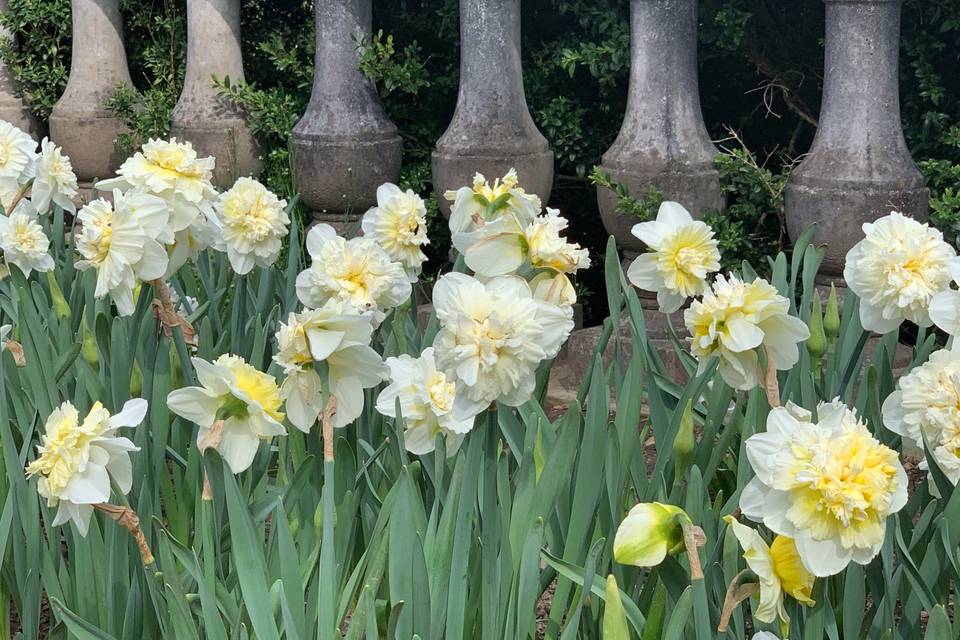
column 649, row 532
column 136, row 380
column 817, row 342
column 831, row 319
column 683, row 443
column 56, row 294
column 88, row 346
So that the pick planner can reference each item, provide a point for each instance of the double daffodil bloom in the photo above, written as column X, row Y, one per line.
column 650, row 531
column 733, row 319
column 778, row 569
column 828, row 485
column 399, row 225
column 897, row 270
column 77, row 460
column 683, row 252
column 426, row 401
column 237, row 403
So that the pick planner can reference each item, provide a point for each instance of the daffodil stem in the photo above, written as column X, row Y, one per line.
column 737, row 592
column 128, row 519
column 327, row 606
column 212, row 438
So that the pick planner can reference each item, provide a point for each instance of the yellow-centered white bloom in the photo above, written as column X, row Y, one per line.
column 172, row 171
column 426, row 399
column 119, row 240
column 945, row 305
column 683, row 252
column 493, row 336
column 356, row 271
column 484, row 202
column 17, row 153
column 734, row 318
column 896, row 270
column 828, row 485
column 248, row 401
column 23, row 241
column 650, row 531
column 77, row 459
column 505, row 244
column 926, row 404
column 778, row 569
column 53, row 179
column 253, row 223
column 339, row 336
column 399, row 225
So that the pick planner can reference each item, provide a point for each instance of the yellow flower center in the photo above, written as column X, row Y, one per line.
column 174, row 158
column 845, row 486
column 686, row 258
column 26, row 239
column 260, row 388
column 65, row 446
column 440, row 392
column 491, row 192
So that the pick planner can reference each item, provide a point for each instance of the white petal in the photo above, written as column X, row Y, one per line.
column 131, row 415
column 194, row 404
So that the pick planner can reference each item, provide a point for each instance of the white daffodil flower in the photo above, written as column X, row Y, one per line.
column 253, row 223
column 119, row 240
column 77, row 460
column 356, row 271
column 805, row 487
column 896, row 271
column 734, row 318
column 399, row 225
column 683, row 253
column 246, row 400
column 426, row 402
column 493, row 336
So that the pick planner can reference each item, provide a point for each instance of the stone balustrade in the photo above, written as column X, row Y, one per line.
column 80, row 122
column 491, row 130
column 858, row 168
column 344, row 146
column 663, row 141
column 212, row 124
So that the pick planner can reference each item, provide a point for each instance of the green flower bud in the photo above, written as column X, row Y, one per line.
column 683, row 443
column 831, row 319
column 649, row 533
column 56, row 294
column 88, row 346
column 817, row 342
column 136, row 380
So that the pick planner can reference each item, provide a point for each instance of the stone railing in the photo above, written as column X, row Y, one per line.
column 344, row 146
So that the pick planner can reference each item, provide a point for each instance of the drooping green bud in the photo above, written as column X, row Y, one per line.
column 60, row 305
column 683, row 443
column 88, row 345
column 136, row 380
column 831, row 319
column 817, row 342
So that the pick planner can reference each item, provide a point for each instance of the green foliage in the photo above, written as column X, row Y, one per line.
column 642, row 207
column 40, row 55
column 943, row 179
column 392, row 71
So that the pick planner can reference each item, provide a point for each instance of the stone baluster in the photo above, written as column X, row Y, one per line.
column 344, row 146
column 214, row 126
column 858, row 168
column 79, row 122
column 663, row 141
column 12, row 107
column 491, row 130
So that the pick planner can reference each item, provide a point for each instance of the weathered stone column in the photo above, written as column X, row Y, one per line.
column 344, row 146
column 663, row 141
column 79, row 121
column 214, row 126
column 491, row 130
column 858, row 168
column 12, row 107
